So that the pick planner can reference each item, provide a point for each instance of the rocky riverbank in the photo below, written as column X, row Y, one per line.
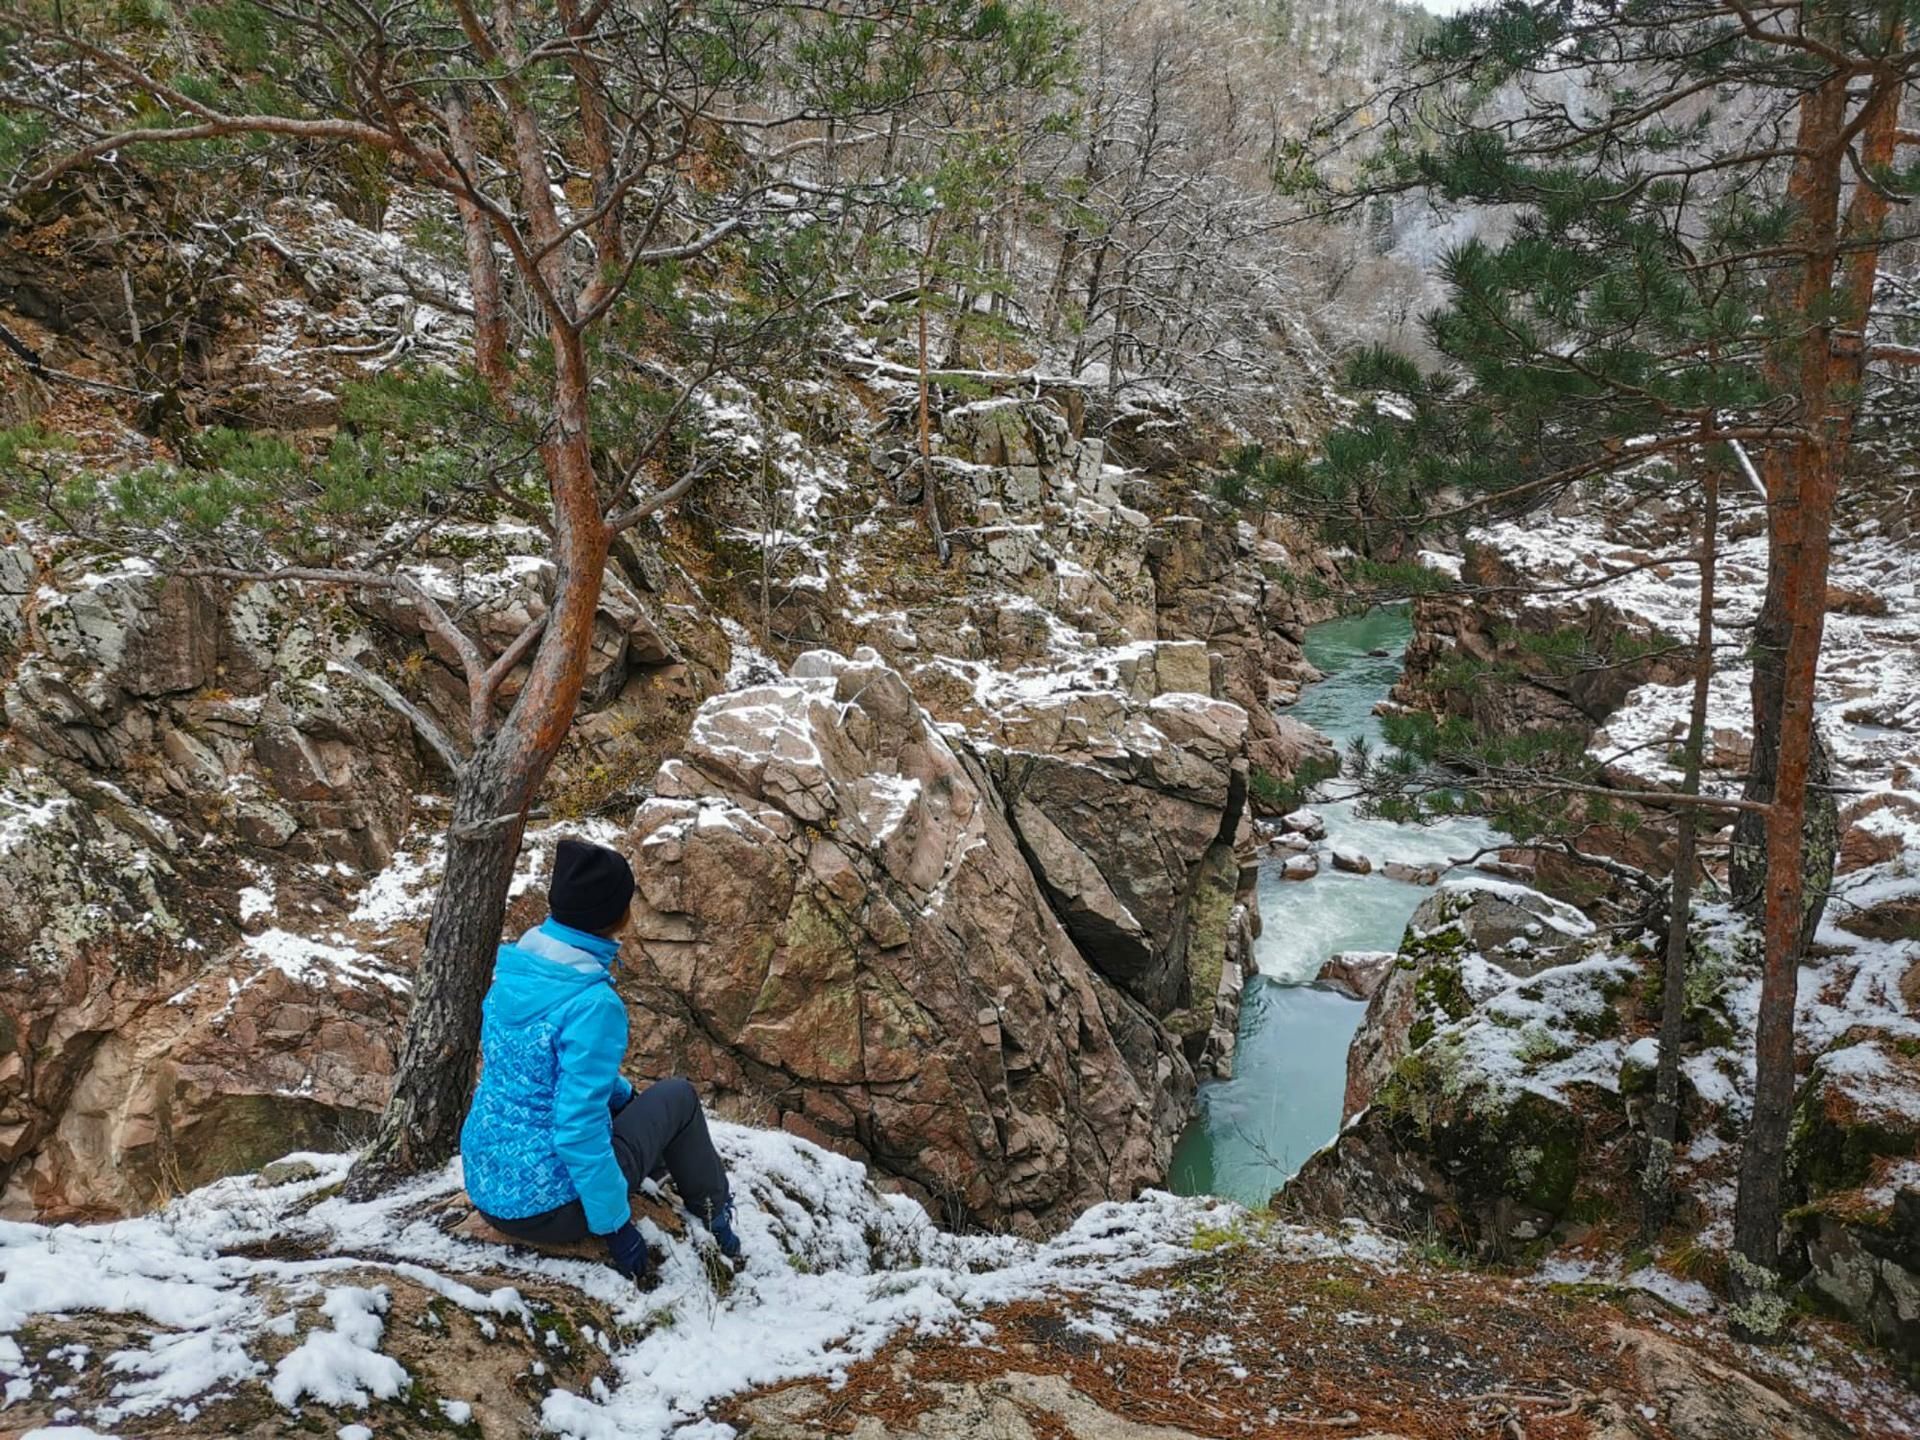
column 1497, row 1088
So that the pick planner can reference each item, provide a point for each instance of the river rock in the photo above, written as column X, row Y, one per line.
column 1351, row 861
column 836, row 928
column 1305, row 822
column 1357, row 974
column 1411, row 874
column 1520, row 930
column 1300, row 867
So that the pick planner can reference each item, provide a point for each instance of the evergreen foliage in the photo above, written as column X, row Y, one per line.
column 1695, row 200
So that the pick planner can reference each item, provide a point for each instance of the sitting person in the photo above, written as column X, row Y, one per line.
column 556, row 1138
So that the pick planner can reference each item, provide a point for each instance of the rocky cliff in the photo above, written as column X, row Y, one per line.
column 217, row 824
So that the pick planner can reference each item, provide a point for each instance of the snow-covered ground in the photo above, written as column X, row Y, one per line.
column 1869, row 700
column 1868, row 710
column 283, row 1290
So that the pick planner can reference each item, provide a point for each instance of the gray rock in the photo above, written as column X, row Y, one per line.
column 1305, row 822
column 285, row 1172
column 1520, row 930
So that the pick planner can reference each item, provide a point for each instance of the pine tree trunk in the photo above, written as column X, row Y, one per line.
column 1801, row 507
column 1747, row 865
column 1866, row 218
column 421, row 1126
column 1748, row 862
column 1758, row 1209
column 1663, row 1124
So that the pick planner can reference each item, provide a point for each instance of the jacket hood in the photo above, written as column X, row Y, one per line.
column 545, row 968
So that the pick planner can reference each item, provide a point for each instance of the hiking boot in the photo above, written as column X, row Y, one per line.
column 721, row 1228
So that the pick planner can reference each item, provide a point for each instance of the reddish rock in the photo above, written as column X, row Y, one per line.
column 1357, row 974
column 1854, row 600
column 835, row 921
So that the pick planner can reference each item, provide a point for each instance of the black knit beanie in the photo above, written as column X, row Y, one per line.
column 591, row 885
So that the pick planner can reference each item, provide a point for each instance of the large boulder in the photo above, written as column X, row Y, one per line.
column 1463, row 944
column 1855, row 1159
column 837, row 930
column 142, row 801
column 1473, row 1081
column 132, row 630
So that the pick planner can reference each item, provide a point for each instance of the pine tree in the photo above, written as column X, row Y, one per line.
column 1686, row 279
column 663, row 124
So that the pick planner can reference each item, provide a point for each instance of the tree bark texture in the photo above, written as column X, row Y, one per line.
column 1801, row 506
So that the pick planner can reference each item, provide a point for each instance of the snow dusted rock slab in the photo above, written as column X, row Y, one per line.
column 836, row 924
column 1129, row 795
column 265, row 1307
column 1495, row 1010
column 1462, row 944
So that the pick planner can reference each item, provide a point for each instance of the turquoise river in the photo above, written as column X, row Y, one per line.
column 1251, row 1133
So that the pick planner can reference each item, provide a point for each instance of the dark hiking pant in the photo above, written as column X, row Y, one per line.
column 660, row 1126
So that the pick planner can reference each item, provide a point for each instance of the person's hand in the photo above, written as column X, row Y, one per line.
column 627, row 1253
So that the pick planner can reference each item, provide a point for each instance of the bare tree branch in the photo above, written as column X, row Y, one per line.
column 422, row 723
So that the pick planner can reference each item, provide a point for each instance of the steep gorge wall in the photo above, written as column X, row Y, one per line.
column 216, row 844
column 1499, row 1085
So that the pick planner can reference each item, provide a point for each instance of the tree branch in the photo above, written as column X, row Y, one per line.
column 481, row 718
column 422, row 723
column 660, row 499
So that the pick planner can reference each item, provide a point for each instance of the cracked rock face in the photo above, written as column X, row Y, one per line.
column 1133, row 815
column 183, row 774
column 836, row 928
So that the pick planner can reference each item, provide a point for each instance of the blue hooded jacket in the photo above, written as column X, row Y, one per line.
column 552, row 1035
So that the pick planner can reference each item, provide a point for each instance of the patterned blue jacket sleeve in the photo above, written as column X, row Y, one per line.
column 590, row 1049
